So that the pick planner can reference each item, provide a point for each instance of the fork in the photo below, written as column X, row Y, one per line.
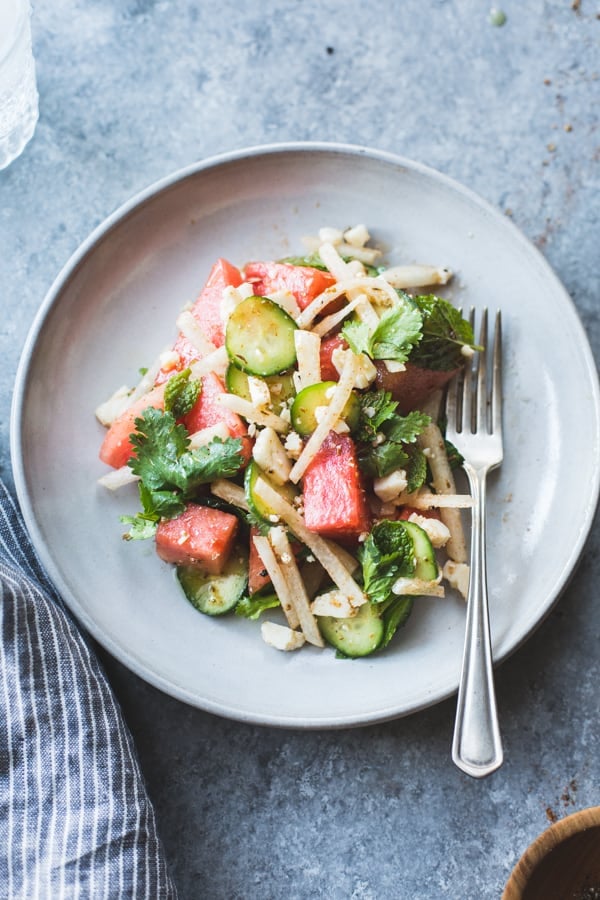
column 474, row 426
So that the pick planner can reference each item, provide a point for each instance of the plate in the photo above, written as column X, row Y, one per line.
column 113, row 308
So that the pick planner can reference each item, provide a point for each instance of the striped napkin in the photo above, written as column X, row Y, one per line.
column 75, row 818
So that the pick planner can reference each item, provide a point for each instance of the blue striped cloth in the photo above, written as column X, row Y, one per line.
column 75, row 818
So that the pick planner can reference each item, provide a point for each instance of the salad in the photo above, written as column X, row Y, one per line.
column 287, row 450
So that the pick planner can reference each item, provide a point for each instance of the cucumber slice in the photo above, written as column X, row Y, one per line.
column 355, row 637
column 236, row 382
column 258, row 506
column 215, row 595
column 310, row 398
column 260, row 337
column 281, row 387
column 426, row 563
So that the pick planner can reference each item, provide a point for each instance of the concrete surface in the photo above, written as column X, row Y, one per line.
column 133, row 89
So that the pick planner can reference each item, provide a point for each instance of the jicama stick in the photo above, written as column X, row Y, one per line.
column 335, row 408
column 297, row 592
column 277, row 576
column 320, row 548
column 229, row 492
column 443, row 481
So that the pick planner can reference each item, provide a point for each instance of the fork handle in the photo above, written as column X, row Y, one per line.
column 477, row 745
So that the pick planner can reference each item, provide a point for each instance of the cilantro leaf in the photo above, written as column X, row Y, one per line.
column 376, row 407
column 142, row 527
column 394, row 337
column 219, row 459
column 163, row 459
column 181, row 393
column 398, row 331
column 358, row 335
column 252, row 607
column 406, row 429
column 380, row 460
column 388, row 449
column 445, row 333
column 155, row 505
column 386, row 555
column 313, row 260
column 158, row 442
column 169, row 471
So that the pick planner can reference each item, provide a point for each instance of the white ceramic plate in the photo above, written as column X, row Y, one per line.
column 113, row 308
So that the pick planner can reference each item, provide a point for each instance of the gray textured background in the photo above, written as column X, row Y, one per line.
column 133, row 89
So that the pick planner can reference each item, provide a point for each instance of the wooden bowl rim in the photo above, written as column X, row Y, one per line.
column 555, row 834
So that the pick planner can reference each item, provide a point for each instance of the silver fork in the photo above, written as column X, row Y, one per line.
column 474, row 426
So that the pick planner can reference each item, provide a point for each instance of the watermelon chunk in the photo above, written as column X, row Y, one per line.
column 412, row 386
column 207, row 309
column 328, row 346
column 405, row 512
column 304, row 282
column 335, row 504
column 258, row 577
column 116, row 447
column 199, row 536
column 208, row 411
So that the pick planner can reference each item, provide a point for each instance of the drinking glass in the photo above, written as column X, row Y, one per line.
column 18, row 90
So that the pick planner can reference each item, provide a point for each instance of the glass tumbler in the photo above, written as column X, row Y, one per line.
column 18, row 90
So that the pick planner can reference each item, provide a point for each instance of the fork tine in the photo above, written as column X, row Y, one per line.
column 481, row 419
column 451, row 406
column 497, row 376
column 467, row 390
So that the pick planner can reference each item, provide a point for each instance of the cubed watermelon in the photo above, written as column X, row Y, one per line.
column 304, row 282
column 116, row 447
column 207, row 309
column 335, row 504
column 258, row 577
column 328, row 346
column 208, row 411
column 412, row 386
column 199, row 536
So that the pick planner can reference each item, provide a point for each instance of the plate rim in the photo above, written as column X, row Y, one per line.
column 52, row 296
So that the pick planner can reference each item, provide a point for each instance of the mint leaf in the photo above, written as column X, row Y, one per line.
column 181, row 393
column 386, row 555
column 415, row 468
column 395, row 616
column 445, row 333
column 455, row 457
